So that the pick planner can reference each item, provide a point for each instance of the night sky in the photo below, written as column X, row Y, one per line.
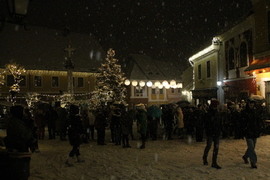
column 163, row 29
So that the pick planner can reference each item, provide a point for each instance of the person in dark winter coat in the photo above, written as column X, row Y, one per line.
column 100, row 125
column 199, row 124
column 252, row 126
column 142, row 123
column 51, row 117
column 168, row 119
column 115, row 124
column 61, row 124
column 213, row 126
column 41, row 123
column 75, row 134
column 125, row 128
column 19, row 134
column 19, row 140
column 28, row 119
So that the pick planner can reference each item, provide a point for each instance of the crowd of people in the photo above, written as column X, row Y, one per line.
column 77, row 125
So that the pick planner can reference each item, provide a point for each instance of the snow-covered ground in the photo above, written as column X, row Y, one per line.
column 162, row 159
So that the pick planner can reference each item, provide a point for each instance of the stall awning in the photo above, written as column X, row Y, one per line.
column 260, row 65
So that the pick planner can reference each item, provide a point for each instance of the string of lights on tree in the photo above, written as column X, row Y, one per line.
column 15, row 70
column 110, row 85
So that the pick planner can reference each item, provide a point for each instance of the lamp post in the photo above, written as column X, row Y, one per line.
column 225, row 89
column 15, row 12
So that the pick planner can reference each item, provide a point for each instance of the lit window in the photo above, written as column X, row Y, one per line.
column 138, row 91
column 80, row 81
column 153, row 91
column 37, row 81
column 55, row 82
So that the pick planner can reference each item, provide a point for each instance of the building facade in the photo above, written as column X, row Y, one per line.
column 238, row 61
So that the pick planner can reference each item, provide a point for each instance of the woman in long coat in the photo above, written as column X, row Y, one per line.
column 142, row 123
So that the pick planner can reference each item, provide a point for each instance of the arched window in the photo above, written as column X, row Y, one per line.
column 231, row 59
column 243, row 54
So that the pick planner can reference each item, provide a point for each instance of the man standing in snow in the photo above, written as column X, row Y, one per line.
column 213, row 125
column 75, row 134
column 252, row 125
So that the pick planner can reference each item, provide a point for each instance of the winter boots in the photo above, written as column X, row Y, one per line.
column 79, row 159
column 68, row 162
column 143, row 145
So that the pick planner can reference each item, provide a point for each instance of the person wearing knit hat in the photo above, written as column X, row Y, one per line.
column 213, row 126
column 252, row 124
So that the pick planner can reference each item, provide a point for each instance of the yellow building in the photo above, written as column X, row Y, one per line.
column 44, row 53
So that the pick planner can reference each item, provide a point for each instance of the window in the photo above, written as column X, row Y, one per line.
column 138, row 91
column 23, row 81
column 55, row 82
column 10, row 80
column 172, row 90
column 161, row 91
column 231, row 59
column 179, row 90
column 153, row 91
column 37, row 81
column 200, row 71
column 243, row 54
column 208, row 70
column 80, row 81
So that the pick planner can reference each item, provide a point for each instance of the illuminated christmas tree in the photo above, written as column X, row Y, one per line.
column 110, row 87
column 15, row 70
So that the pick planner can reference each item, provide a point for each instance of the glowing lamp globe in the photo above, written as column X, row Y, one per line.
column 157, row 83
column 173, row 83
column 142, row 83
column 149, row 84
column 134, row 83
column 165, row 83
column 127, row 82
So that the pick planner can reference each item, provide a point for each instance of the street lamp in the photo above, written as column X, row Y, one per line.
column 16, row 12
column 226, row 88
